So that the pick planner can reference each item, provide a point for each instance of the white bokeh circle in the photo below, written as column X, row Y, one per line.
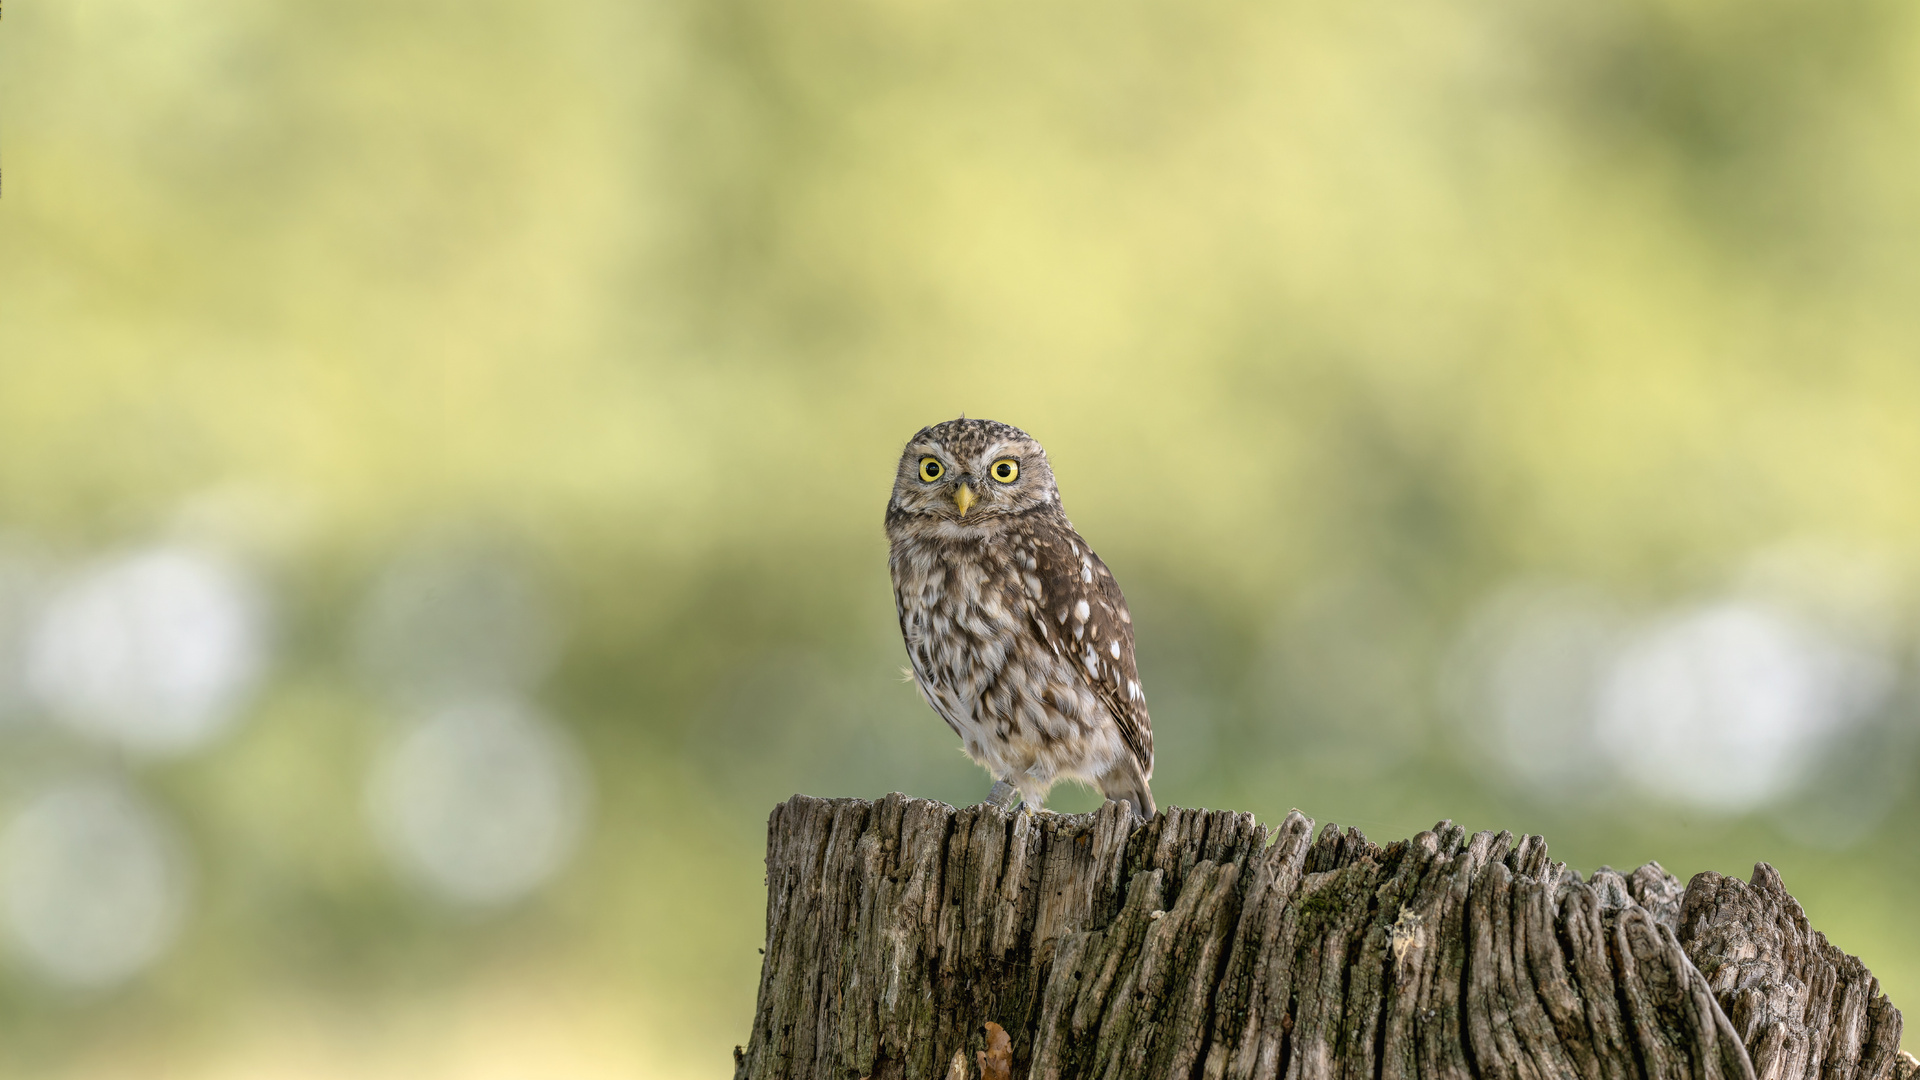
column 92, row 884
column 1727, row 705
column 480, row 802
column 155, row 651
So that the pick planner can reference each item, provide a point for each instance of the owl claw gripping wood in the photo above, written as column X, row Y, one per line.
column 1018, row 634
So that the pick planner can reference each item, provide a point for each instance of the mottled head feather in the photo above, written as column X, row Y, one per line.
column 967, row 450
column 970, row 438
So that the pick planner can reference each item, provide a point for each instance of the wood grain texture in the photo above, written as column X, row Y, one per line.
column 1203, row 945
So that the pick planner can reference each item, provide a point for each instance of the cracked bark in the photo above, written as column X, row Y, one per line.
column 1205, row 946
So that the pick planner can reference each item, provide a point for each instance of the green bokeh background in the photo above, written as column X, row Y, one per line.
column 1334, row 318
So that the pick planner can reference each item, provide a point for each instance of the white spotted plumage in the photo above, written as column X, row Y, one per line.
column 1018, row 635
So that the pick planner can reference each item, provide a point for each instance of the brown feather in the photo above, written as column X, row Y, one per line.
column 1065, row 563
column 1018, row 634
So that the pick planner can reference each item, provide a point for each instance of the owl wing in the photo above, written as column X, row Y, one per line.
column 1083, row 617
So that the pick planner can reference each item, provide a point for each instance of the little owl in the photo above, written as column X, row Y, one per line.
column 1018, row 634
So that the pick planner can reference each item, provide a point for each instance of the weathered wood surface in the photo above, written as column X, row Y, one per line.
column 1203, row 945
column 1802, row 1007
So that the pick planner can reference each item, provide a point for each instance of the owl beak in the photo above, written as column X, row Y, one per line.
column 963, row 498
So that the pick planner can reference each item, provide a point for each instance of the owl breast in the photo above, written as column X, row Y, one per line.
column 971, row 612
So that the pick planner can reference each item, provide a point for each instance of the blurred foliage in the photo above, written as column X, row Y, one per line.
column 1334, row 318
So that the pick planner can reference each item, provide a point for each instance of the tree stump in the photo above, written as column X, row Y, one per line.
column 1203, row 945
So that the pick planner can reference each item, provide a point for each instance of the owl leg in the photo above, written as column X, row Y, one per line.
column 1034, row 785
column 1002, row 794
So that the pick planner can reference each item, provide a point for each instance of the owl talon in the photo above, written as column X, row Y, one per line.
column 1002, row 795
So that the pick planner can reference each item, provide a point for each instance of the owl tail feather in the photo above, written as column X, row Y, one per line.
column 1124, row 781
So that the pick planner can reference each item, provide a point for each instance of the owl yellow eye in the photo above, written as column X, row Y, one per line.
column 1005, row 470
column 931, row 469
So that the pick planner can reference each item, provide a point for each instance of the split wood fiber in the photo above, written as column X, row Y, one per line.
column 1203, row 945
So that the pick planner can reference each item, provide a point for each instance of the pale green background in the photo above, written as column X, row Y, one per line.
column 1354, row 300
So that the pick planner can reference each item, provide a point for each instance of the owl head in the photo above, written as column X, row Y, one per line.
column 966, row 473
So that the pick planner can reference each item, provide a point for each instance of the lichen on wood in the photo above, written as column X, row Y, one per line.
column 1204, row 945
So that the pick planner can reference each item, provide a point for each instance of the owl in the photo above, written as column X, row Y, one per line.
column 1018, row 634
